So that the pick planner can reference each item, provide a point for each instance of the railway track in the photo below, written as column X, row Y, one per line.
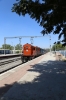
column 3, row 62
column 9, row 63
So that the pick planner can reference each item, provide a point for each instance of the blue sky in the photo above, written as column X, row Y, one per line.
column 12, row 25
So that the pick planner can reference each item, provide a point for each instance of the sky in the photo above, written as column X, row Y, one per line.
column 11, row 25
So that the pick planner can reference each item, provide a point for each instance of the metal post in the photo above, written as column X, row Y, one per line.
column 20, row 37
column 14, row 49
column 65, row 52
column 4, row 44
column 31, row 40
column 50, row 45
column 55, row 47
column 20, row 44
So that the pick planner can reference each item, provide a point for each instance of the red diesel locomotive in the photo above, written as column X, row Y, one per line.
column 30, row 52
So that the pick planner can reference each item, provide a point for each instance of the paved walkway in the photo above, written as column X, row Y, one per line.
column 44, row 80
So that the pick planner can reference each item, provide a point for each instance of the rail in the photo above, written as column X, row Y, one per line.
column 9, row 62
column 2, row 62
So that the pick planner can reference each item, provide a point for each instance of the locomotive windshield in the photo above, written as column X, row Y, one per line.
column 26, row 47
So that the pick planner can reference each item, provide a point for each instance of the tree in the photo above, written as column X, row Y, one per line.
column 18, row 47
column 57, row 46
column 7, row 46
column 50, row 14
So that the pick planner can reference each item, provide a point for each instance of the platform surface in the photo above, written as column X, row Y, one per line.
column 44, row 79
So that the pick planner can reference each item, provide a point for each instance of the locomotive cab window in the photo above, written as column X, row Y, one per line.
column 25, row 48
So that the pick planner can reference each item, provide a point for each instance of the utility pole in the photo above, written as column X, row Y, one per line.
column 14, row 49
column 4, row 44
column 50, row 43
column 20, row 43
column 32, row 40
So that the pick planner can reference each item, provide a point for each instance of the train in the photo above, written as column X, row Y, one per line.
column 29, row 52
column 7, row 51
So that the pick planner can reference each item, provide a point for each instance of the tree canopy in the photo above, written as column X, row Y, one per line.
column 7, row 46
column 18, row 47
column 58, row 47
column 50, row 14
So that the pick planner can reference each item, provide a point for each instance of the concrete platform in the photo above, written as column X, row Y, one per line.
column 45, row 79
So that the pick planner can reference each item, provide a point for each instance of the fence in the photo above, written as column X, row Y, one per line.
column 63, row 52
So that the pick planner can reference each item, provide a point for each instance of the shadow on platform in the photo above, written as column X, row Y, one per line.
column 50, row 84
